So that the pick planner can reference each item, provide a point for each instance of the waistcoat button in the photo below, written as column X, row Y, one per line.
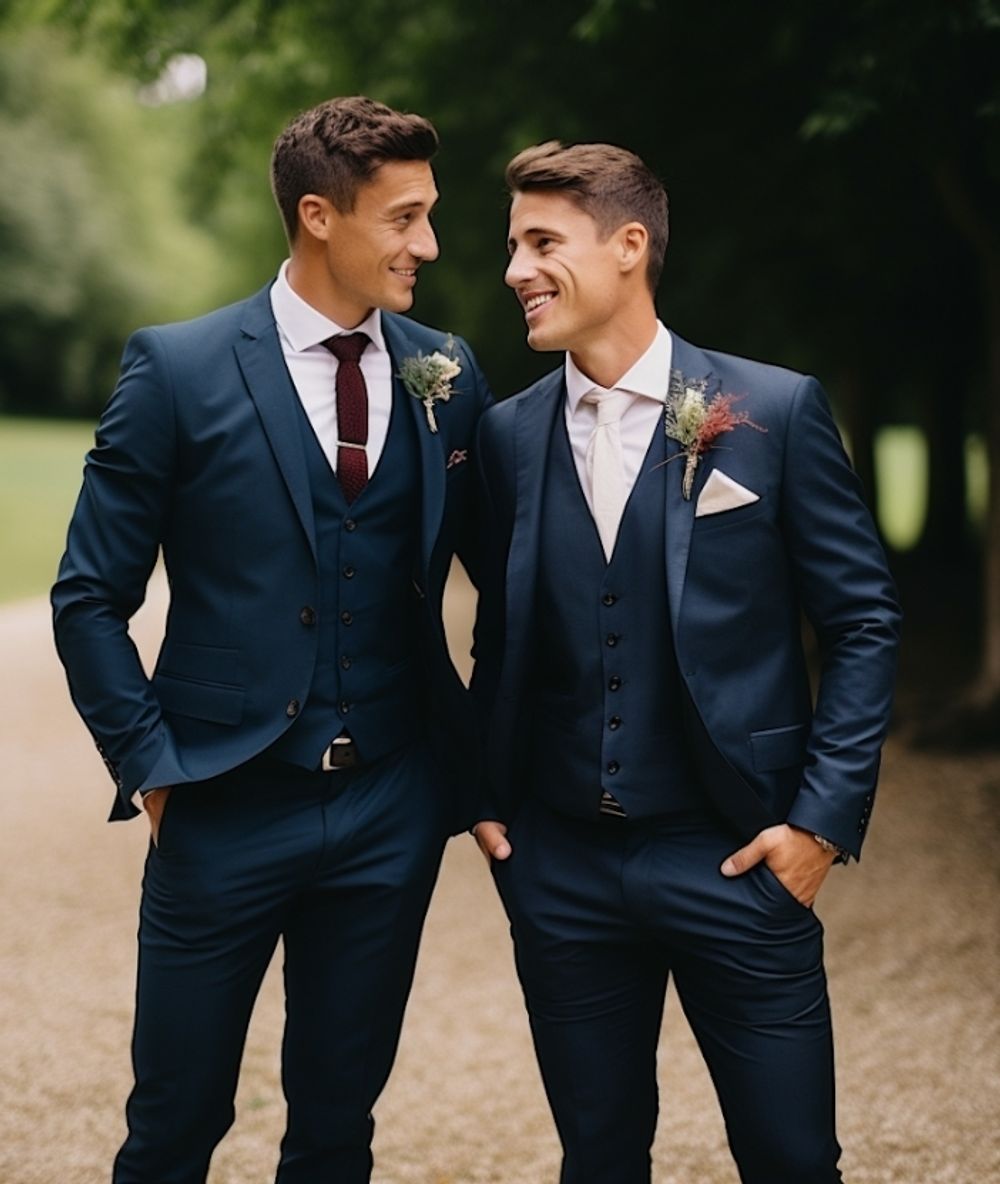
column 346, row 617
column 614, row 683
column 615, row 722
column 612, row 639
column 345, row 663
column 348, row 572
column 308, row 615
column 608, row 599
column 613, row 767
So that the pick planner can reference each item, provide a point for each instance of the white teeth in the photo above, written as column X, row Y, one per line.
column 400, row 271
column 538, row 301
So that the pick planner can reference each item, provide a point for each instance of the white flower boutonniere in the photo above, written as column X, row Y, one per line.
column 428, row 377
column 696, row 421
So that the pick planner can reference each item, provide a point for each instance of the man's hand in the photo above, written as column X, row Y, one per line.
column 492, row 840
column 153, row 803
column 794, row 856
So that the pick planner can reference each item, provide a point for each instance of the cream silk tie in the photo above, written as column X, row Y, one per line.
column 606, row 466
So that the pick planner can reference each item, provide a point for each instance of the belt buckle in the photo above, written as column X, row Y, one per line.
column 345, row 758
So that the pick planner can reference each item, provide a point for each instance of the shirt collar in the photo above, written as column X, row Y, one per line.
column 649, row 376
column 303, row 326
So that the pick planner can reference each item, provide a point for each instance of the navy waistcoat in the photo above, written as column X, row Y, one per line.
column 368, row 679
column 606, row 700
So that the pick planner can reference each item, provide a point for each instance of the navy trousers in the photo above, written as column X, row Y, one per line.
column 339, row 867
column 602, row 913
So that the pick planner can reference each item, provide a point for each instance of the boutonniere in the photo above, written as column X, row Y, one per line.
column 696, row 421
column 428, row 377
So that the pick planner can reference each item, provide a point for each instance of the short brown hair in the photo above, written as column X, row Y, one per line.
column 333, row 149
column 610, row 184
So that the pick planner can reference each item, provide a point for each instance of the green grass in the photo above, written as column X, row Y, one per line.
column 41, row 463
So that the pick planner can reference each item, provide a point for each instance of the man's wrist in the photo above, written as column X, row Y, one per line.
column 831, row 848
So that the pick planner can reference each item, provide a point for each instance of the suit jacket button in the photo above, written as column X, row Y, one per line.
column 611, row 639
column 345, row 663
column 348, row 572
column 615, row 722
column 308, row 616
column 613, row 767
column 614, row 683
column 608, row 599
column 350, row 524
column 292, row 710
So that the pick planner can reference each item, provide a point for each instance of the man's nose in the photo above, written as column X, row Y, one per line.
column 425, row 245
column 519, row 270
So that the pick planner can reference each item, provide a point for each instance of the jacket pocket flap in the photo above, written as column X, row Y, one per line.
column 199, row 700
column 777, row 748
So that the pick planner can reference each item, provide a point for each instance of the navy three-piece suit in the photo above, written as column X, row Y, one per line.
column 294, row 618
column 673, row 677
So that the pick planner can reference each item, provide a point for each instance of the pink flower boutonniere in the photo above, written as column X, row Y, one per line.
column 696, row 420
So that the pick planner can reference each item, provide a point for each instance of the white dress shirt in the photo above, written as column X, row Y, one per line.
column 302, row 330
column 647, row 382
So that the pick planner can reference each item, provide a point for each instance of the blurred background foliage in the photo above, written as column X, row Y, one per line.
column 833, row 169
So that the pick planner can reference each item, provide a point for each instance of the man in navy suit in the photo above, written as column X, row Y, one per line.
column 666, row 799
column 299, row 746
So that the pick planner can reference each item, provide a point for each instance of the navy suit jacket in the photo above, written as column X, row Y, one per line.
column 199, row 453
column 737, row 583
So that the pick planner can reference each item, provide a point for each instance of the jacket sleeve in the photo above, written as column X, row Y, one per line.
column 848, row 596
column 112, row 545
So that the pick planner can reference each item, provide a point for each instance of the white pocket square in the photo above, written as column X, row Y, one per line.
column 722, row 493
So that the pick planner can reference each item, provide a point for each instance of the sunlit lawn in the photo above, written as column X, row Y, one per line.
column 40, row 468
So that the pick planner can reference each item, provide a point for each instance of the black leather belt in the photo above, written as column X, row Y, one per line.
column 341, row 754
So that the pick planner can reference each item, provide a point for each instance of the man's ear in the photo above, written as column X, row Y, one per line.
column 316, row 216
column 632, row 245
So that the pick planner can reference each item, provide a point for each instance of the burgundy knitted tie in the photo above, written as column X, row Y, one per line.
column 352, row 412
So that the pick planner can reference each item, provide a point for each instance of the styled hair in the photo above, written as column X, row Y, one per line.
column 332, row 150
column 610, row 184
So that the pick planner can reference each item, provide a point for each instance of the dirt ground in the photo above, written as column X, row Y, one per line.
column 912, row 949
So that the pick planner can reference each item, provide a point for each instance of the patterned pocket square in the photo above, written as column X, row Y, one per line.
column 723, row 493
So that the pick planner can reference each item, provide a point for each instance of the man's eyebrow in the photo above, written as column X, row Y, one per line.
column 533, row 232
column 415, row 203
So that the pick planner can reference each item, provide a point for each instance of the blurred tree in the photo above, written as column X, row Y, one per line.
column 833, row 171
column 91, row 238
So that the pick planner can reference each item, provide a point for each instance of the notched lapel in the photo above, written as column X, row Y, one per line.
column 259, row 356
column 679, row 516
column 533, row 426
column 432, row 459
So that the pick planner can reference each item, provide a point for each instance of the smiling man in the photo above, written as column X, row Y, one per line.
column 665, row 800
column 304, row 745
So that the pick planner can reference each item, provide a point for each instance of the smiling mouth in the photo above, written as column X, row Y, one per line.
column 406, row 273
column 539, row 300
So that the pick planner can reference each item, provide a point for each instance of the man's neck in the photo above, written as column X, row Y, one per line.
column 607, row 358
column 312, row 285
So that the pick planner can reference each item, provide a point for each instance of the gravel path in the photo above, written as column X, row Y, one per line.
column 912, row 953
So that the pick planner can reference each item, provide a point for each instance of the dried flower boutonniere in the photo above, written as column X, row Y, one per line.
column 428, row 377
column 696, row 421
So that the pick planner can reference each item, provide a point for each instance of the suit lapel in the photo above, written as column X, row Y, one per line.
column 679, row 517
column 533, row 426
column 258, row 352
column 432, row 467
